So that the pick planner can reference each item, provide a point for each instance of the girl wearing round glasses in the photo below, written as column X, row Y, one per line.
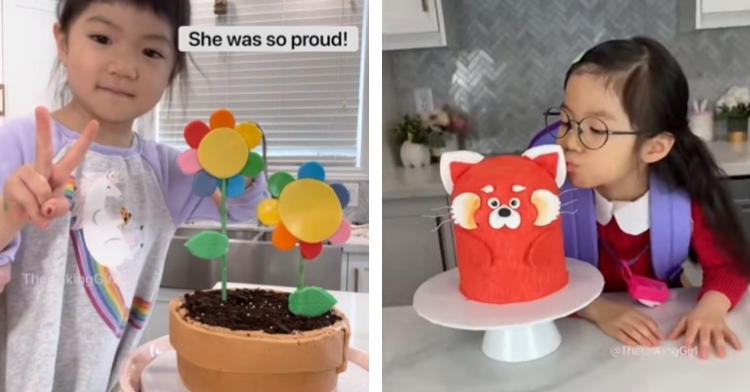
column 644, row 194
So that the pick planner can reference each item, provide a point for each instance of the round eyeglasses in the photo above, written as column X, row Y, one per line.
column 593, row 133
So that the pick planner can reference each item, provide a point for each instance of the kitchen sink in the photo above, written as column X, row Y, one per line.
column 252, row 259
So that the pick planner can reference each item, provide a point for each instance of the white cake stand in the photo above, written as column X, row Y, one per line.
column 513, row 332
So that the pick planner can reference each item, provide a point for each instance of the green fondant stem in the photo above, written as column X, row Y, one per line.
column 301, row 276
column 224, row 232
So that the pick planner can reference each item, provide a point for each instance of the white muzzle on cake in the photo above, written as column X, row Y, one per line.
column 505, row 216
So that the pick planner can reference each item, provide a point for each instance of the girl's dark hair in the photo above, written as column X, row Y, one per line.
column 655, row 93
column 176, row 12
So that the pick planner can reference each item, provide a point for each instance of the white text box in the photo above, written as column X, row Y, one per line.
column 269, row 39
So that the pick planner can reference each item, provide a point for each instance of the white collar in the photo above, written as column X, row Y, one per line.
column 631, row 216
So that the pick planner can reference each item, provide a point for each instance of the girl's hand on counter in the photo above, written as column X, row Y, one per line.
column 706, row 325
column 623, row 322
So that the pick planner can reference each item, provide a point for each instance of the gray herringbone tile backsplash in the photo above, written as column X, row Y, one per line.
column 511, row 58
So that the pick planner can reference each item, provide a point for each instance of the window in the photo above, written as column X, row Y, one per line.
column 311, row 106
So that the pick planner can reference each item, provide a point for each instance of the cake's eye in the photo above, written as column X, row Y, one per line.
column 494, row 203
column 514, row 202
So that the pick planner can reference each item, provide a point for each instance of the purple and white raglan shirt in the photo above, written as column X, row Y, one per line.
column 81, row 291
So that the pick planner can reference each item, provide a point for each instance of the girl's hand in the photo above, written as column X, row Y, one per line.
column 625, row 323
column 36, row 192
column 707, row 325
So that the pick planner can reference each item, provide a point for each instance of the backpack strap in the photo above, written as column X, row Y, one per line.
column 579, row 224
column 578, row 213
column 671, row 228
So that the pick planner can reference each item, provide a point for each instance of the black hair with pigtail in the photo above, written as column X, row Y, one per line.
column 654, row 93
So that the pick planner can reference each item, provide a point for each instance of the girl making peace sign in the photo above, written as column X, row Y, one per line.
column 84, row 274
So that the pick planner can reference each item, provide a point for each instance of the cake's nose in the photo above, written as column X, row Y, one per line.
column 504, row 212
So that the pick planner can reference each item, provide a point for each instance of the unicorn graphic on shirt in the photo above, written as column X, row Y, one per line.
column 105, row 243
column 104, row 233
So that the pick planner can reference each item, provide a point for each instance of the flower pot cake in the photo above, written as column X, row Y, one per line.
column 255, row 340
column 253, row 343
column 508, row 230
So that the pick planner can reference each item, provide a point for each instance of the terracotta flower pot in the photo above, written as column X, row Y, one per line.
column 211, row 359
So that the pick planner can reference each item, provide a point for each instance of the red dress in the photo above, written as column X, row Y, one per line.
column 719, row 274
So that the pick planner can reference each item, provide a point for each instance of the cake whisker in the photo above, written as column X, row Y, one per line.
column 441, row 224
column 447, row 215
column 569, row 212
column 568, row 203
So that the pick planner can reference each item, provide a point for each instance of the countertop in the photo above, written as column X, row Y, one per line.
column 357, row 245
column 358, row 242
column 420, row 356
column 410, row 182
column 355, row 306
column 404, row 183
column 733, row 158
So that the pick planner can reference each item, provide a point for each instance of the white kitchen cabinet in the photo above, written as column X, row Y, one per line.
column 415, row 24
column 355, row 274
column 414, row 249
column 410, row 17
column 716, row 6
column 712, row 14
column 359, row 273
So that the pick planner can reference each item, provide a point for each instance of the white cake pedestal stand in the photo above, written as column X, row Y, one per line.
column 513, row 332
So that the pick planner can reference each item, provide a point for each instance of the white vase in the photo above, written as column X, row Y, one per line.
column 702, row 125
column 451, row 144
column 414, row 155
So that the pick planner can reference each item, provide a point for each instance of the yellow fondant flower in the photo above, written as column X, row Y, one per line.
column 220, row 151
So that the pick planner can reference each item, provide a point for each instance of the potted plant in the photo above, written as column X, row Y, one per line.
column 412, row 135
column 253, row 340
column 446, row 127
column 424, row 137
column 734, row 107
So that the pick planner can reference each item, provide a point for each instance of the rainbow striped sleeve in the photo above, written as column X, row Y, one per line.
column 70, row 190
column 139, row 312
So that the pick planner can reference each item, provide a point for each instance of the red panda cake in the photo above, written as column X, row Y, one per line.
column 508, row 230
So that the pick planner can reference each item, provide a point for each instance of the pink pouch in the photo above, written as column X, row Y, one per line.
column 650, row 292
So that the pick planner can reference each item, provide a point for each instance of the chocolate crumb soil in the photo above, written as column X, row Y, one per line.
column 251, row 310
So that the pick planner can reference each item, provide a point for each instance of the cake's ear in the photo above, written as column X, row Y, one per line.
column 551, row 158
column 453, row 164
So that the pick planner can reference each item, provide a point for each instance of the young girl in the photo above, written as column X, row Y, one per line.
column 657, row 196
column 103, row 204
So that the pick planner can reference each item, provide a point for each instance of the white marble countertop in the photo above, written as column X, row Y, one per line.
column 733, row 158
column 358, row 242
column 356, row 307
column 404, row 183
column 409, row 182
column 357, row 245
column 420, row 356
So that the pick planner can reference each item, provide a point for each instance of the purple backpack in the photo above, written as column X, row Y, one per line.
column 671, row 222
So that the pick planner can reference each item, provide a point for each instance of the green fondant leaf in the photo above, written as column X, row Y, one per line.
column 208, row 245
column 311, row 302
